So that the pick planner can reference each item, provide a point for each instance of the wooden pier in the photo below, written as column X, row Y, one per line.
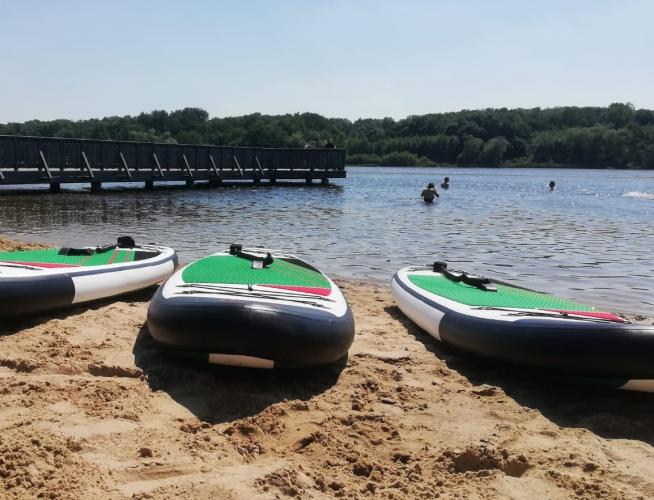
column 46, row 160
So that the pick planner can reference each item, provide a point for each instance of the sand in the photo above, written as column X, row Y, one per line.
column 89, row 408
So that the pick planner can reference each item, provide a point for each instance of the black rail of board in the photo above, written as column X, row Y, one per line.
column 54, row 161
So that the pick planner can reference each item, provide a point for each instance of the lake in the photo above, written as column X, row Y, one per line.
column 591, row 240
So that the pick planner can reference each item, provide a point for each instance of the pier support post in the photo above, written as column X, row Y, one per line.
column 215, row 182
column 45, row 164
column 96, row 186
column 55, row 187
column 273, row 180
column 256, row 181
column 149, row 185
column 324, row 181
column 190, row 182
column 309, row 180
column 156, row 162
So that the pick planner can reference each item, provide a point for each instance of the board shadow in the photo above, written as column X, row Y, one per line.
column 217, row 394
column 609, row 413
column 12, row 326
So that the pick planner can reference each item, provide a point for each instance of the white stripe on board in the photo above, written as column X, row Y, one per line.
column 425, row 316
column 122, row 280
column 643, row 385
column 238, row 360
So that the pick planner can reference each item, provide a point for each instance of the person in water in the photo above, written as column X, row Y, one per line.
column 429, row 194
column 446, row 183
column 552, row 184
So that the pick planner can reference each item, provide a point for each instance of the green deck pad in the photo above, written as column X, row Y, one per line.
column 234, row 270
column 51, row 256
column 506, row 296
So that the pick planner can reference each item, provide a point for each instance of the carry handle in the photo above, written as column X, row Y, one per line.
column 237, row 250
column 461, row 276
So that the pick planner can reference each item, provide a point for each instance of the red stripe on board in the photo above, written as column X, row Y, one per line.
column 40, row 264
column 591, row 314
column 306, row 289
column 113, row 257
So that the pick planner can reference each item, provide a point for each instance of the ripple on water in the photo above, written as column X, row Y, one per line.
column 590, row 240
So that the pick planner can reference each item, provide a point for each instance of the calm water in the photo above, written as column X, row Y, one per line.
column 591, row 240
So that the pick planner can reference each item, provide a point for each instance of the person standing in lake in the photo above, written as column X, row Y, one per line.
column 429, row 194
column 446, row 183
column 552, row 184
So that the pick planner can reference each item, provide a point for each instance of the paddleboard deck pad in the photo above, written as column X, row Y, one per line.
column 252, row 307
column 542, row 332
column 37, row 281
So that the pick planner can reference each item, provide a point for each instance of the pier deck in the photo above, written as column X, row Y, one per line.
column 45, row 160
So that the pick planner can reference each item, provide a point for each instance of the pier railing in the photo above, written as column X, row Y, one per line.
column 38, row 160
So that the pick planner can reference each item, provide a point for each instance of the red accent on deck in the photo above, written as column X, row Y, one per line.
column 305, row 289
column 47, row 265
column 113, row 257
column 592, row 314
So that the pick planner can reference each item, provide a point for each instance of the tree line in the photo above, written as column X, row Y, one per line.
column 616, row 136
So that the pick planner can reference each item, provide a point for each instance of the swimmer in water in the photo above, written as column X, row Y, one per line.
column 552, row 184
column 429, row 194
column 446, row 183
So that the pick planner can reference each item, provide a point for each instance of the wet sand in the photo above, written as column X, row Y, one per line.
column 89, row 408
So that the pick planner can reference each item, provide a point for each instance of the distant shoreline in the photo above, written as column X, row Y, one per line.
column 534, row 165
column 617, row 135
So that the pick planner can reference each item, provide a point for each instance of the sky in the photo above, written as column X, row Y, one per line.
column 342, row 58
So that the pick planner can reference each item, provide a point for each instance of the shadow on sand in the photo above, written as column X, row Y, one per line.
column 12, row 326
column 611, row 414
column 216, row 394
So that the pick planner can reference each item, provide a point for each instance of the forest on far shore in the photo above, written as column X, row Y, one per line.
column 616, row 136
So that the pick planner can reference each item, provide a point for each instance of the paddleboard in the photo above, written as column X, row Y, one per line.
column 504, row 322
column 36, row 281
column 252, row 307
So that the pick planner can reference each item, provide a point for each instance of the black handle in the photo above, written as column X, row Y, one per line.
column 237, row 250
column 461, row 276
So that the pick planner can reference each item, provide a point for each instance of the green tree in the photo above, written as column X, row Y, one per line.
column 189, row 137
column 492, row 152
column 471, row 149
column 620, row 114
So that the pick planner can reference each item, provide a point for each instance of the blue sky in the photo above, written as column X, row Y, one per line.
column 81, row 59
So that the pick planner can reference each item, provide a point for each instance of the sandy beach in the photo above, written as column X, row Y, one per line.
column 89, row 408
